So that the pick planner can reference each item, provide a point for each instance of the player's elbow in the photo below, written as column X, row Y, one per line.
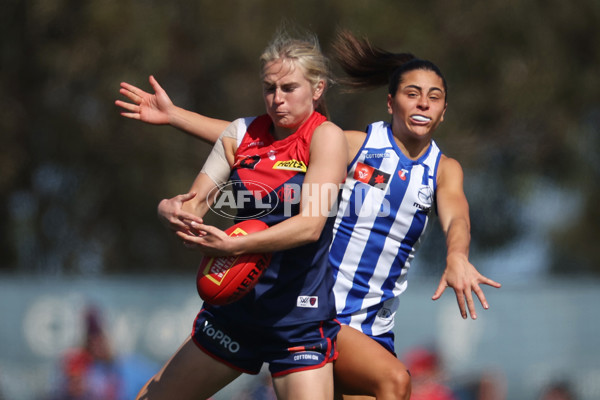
column 313, row 234
column 312, row 231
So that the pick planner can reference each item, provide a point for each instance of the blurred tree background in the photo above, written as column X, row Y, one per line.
column 79, row 184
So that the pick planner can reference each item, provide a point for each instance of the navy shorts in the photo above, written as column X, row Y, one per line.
column 286, row 349
column 386, row 340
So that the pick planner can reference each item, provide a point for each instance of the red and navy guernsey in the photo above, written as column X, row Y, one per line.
column 267, row 176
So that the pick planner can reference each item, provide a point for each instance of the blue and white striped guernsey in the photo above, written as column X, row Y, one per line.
column 386, row 202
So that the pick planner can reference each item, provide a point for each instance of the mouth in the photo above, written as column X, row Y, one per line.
column 279, row 113
column 420, row 118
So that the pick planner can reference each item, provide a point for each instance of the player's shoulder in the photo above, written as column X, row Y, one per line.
column 450, row 164
column 449, row 170
column 328, row 133
column 355, row 140
column 328, row 127
column 355, row 136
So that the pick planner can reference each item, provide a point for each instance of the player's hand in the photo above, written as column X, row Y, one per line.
column 144, row 106
column 171, row 213
column 210, row 241
column 464, row 278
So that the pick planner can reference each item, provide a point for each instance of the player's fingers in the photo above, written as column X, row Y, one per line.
column 191, row 221
column 131, row 115
column 471, row 304
column 127, row 106
column 177, row 224
column 189, row 245
column 137, row 99
column 440, row 289
column 191, row 239
column 207, row 229
column 132, row 89
column 154, row 83
column 186, row 196
column 460, row 299
column 490, row 282
column 481, row 296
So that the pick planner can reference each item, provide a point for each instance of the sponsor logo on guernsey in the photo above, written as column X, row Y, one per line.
column 307, row 301
column 220, row 338
column 371, row 176
column 425, row 196
column 384, row 313
column 290, row 165
column 402, row 174
column 377, row 155
column 256, row 143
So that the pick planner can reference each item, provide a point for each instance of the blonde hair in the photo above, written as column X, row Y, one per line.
column 304, row 52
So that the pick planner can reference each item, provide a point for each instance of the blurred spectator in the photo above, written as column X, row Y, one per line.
column 427, row 377
column 491, row 386
column 92, row 372
column 558, row 390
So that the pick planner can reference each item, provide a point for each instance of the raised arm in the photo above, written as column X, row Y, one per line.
column 327, row 168
column 453, row 210
column 158, row 109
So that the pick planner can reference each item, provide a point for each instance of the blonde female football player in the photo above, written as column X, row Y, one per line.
column 287, row 321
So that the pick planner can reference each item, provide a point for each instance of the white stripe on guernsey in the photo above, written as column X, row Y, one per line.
column 242, row 128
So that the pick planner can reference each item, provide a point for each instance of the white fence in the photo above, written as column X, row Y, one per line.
column 531, row 334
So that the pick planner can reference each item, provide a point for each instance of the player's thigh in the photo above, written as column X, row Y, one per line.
column 189, row 374
column 312, row 384
column 363, row 366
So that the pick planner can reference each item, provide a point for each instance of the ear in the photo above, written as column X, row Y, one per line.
column 318, row 92
column 390, row 100
column 444, row 112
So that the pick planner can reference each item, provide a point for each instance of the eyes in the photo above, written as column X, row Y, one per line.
column 288, row 88
column 434, row 95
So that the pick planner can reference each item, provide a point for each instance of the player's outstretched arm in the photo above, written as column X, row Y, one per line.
column 158, row 109
column 453, row 210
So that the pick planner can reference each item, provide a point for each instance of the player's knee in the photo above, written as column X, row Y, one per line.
column 402, row 383
column 398, row 384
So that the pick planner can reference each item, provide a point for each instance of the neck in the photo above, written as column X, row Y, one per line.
column 412, row 148
column 413, row 152
column 280, row 133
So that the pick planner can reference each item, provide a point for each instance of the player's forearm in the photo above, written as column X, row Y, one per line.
column 197, row 125
column 458, row 237
column 290, row 233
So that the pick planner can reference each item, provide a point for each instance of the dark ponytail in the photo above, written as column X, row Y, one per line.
column 367, row 66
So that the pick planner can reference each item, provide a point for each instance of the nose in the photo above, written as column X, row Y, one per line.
column 278, row 96
column 423, row 103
